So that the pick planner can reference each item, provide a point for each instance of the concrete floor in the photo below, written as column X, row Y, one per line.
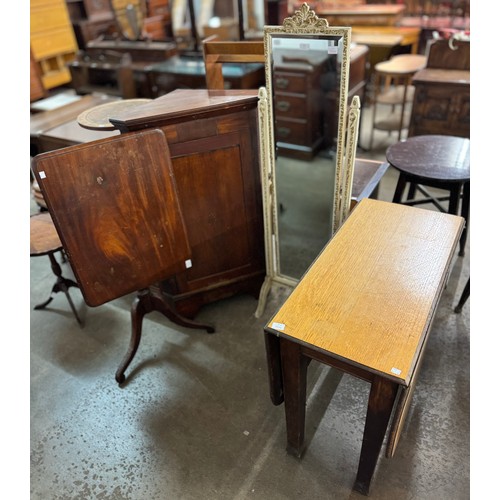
column 194, row 419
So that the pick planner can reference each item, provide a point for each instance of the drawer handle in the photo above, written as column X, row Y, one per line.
column 282, row 83
column 283, row 105
column 284, row 131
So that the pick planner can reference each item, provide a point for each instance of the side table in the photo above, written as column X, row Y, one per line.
column 436, row 161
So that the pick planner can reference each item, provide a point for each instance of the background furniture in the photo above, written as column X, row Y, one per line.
column 37, row 90
column 355, row 310
column 119, row 67
column 392, row 87
column 189, row 73
column 360, row 14
column 212, row 142
column 109, row 73
column 44, row 240
column 91, row 19
column 298, row 103
column 57, row 128
column 216, row 53
column 441, row 104
column 357, row 86
column 52, row 41
column 441, row 162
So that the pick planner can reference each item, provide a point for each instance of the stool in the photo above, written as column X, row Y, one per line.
column 44, row 240
column 437, row 161
column 392, row 86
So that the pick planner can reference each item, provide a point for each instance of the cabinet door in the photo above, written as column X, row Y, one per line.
column 461, row 114
column 440, row 110
column 219, row 191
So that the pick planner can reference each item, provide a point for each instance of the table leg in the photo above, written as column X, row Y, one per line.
column 382, row 397
column 454, row 199
column 273, row 354
column 61, row 285
column 465, row 214
column 400, row 187
column 148, row 300
column 294, row 369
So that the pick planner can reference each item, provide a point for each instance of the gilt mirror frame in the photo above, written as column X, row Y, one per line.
column 304, row 24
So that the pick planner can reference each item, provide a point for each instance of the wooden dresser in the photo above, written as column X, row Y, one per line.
column 297, row 102
column 213, row 141
column 441, row 104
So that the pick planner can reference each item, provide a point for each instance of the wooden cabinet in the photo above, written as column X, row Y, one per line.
column 358, row 67
column 213, row 142
column 52, row 41
column 297, row 101
column 441, row 104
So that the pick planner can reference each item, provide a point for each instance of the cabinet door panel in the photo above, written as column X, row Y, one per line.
column 217, row 197
column 439, row 110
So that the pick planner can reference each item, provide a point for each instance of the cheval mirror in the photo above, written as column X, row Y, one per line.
column 308, row 141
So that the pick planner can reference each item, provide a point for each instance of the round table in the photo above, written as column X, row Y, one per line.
column 97, row 117
column 437, row 161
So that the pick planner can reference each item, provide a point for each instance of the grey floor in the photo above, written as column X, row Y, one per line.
column 195, row 421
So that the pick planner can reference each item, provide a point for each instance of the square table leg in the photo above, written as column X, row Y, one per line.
column 294, row 368
column 382, row 397
column 273, row 355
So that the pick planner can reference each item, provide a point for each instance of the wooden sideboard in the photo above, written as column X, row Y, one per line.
column 441, row 104
column 213, row 141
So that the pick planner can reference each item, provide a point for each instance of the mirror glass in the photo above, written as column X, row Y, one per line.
column 306, row 75
column 129, row 15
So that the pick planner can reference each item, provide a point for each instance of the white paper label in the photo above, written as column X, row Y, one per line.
column 396, row 371
column 42, row 175
column 278, row 326
column 188, row 264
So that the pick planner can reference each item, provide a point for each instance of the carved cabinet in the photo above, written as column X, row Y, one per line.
column 213, row 141
column 442, row 103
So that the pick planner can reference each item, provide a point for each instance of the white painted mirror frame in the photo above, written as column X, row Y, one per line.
column 304, row 23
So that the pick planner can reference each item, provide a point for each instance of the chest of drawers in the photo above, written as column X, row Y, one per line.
column 297, row 102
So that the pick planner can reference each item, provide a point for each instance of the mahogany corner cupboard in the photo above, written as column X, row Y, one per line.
column 213, row 141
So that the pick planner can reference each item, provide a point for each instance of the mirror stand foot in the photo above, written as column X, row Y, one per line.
column 264, row 292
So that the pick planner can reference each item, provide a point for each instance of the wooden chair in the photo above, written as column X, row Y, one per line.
column 216, row 52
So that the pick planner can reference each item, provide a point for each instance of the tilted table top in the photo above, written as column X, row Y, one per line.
column 370, row 296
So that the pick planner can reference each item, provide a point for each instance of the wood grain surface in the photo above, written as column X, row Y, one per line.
column 115, row 206
column 370, row 296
